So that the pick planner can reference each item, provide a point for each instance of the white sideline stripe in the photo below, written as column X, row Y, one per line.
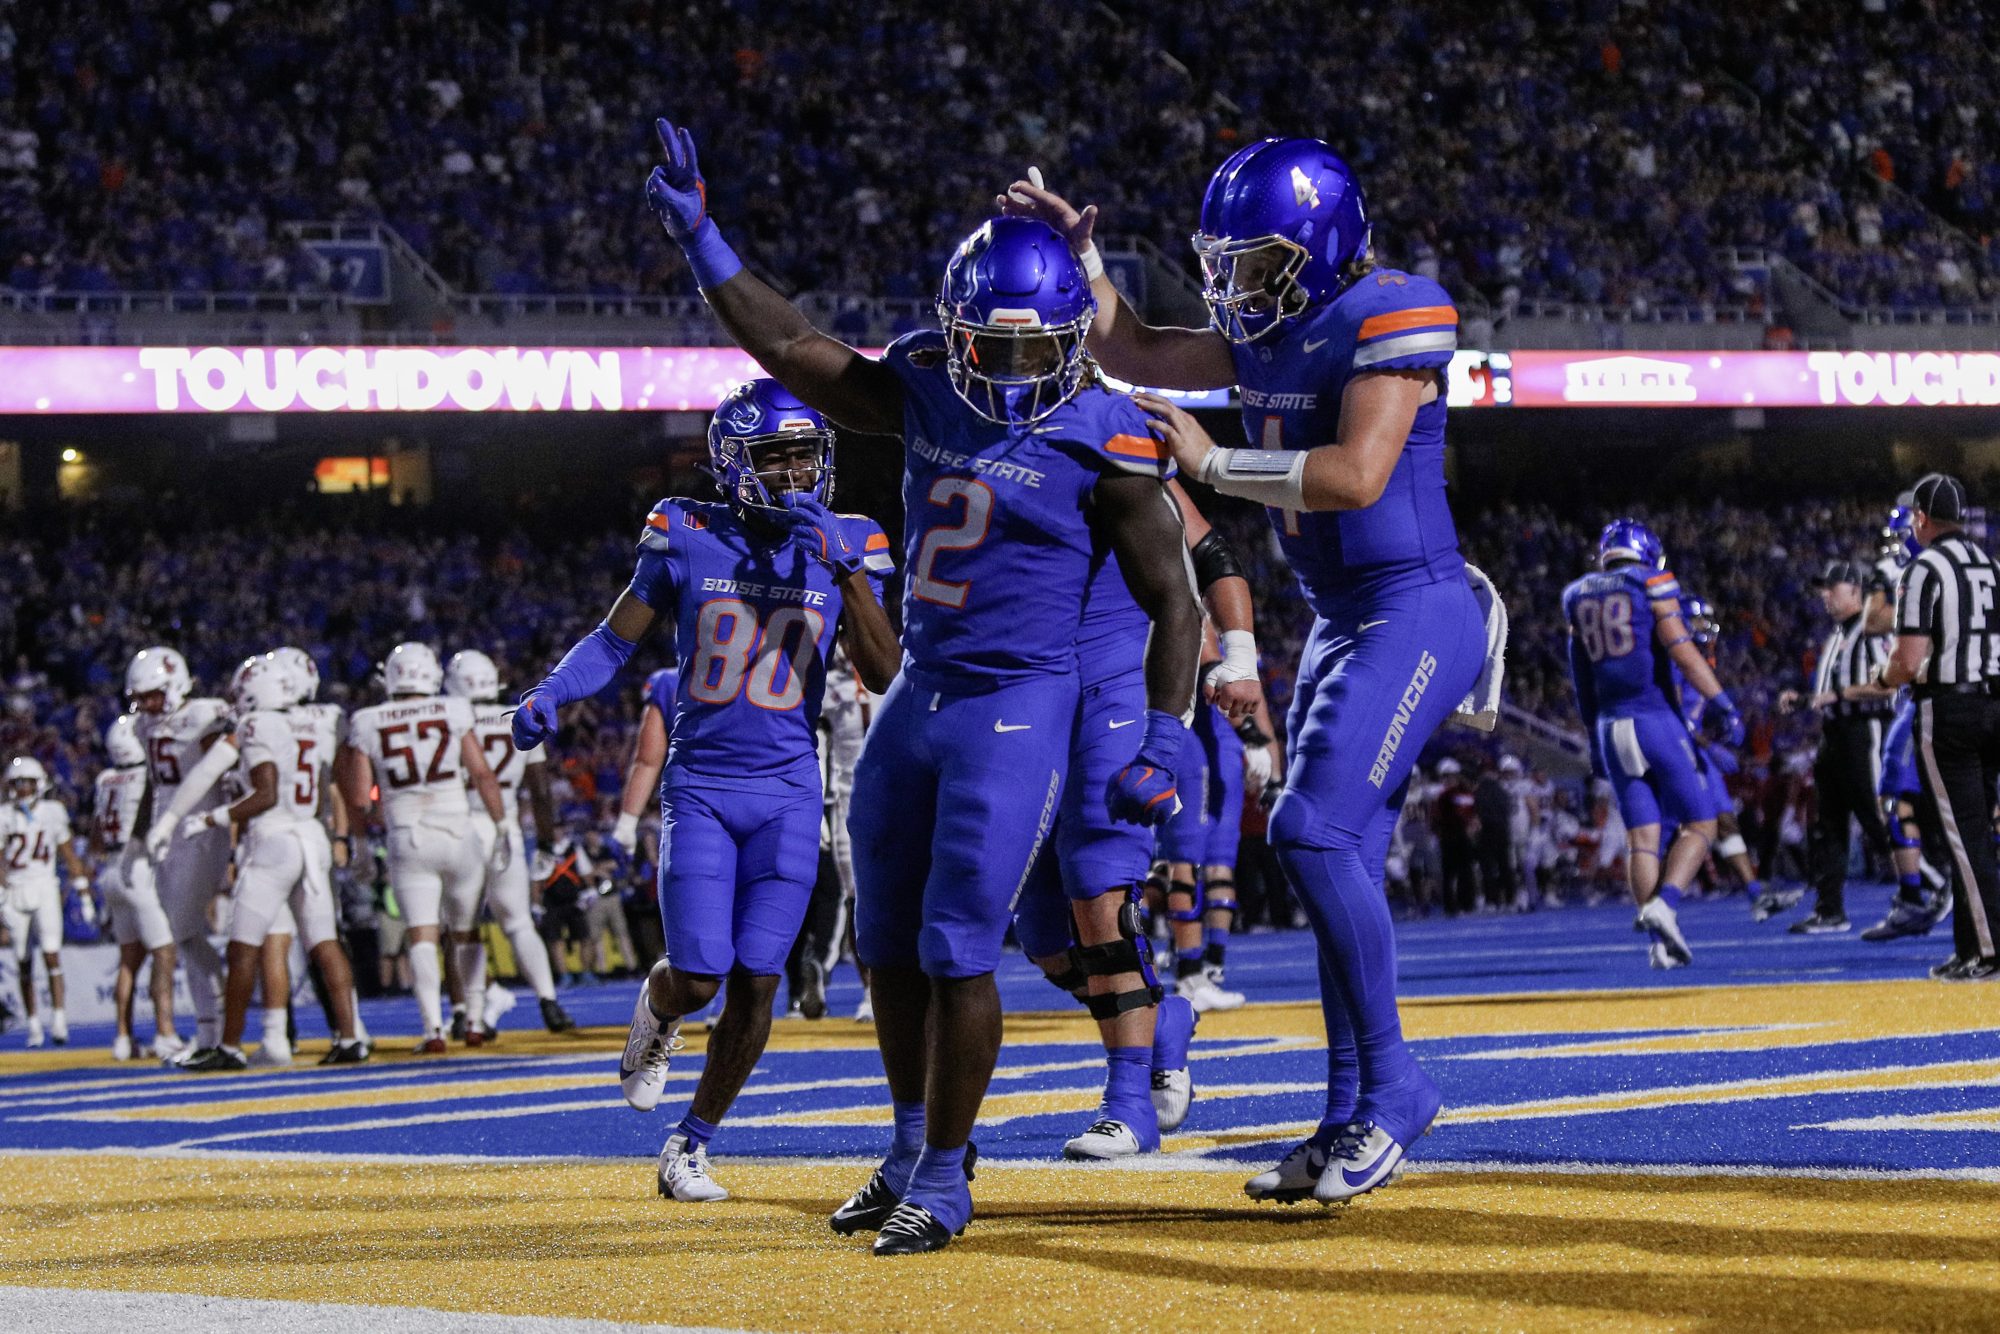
column 305, row 1079
column 91, row 1311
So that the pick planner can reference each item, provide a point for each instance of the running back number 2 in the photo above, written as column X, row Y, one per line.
column 964, row 535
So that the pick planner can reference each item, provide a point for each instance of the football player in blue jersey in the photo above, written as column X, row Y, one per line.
column 1627, row 639
column 1020, row 471
column 1718, row 763
column 755, row 588
column 1922, row 895
column 1341, row 368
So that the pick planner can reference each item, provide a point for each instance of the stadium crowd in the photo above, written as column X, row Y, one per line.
column 1597, row 151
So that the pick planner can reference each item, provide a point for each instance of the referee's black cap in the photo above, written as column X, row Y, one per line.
column 1841, row 572
column 1941, row 496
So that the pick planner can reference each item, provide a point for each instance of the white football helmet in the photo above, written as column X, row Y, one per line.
column 298, row 665
column 411, row 669
column 25, row 769
column 122, row 741
column 159, row 668
column 471, row 675
column 260, row 683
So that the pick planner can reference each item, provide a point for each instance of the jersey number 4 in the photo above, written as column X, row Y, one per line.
column 735, row 654
column 964, row 535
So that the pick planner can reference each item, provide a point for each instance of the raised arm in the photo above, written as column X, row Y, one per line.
column 1124, row 344
column 856, row 391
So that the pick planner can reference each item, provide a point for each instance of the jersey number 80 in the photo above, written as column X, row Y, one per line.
column 734, row 654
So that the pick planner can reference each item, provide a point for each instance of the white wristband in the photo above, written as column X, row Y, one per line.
column 1239, row 655
column 1093, row 263
column 1273, row 477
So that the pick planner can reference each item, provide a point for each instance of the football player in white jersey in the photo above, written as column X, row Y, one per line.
column 34, row 832
column 471, row 676
column 422, row 748
column 177, row 731
column 138, row 923
column 283, row 859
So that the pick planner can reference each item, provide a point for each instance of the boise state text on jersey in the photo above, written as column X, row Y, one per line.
column 754, row 620
column 998, row 546
column 1292, row 385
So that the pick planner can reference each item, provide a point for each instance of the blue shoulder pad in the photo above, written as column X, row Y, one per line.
column 866, row 536
column 1403, row 322
column 1107, row 430
column 666, row 515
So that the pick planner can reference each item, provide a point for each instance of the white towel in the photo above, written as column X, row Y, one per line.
column 1481, row 708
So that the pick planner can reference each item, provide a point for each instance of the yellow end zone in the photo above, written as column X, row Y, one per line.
column 1053, row 1248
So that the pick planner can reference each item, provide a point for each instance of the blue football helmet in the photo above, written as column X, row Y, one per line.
column 1701, row 624
column 1015, row 308
column 752, row 439
column 1282, row 224
column 1625, row 540
column 1899, row 535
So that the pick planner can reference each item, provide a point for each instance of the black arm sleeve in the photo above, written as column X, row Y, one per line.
column 1215, row 558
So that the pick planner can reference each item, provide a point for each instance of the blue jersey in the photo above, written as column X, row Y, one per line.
column 1292, row 383
column 1615, row 657
column 662, row 688
column 1111, row 639
column 754, row 619
column 997, row 536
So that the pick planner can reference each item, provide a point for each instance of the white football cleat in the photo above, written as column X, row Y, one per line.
column 274, row 1053
column 1364, row 1157
column 684, row 1175
column 1665, row 926
column 1173, row 1090
column 864, row 1013
column 1662, row 958
column 121, row 1048
column 59, row 1029
column 1105, row 1140
column 649, row 1048
column 34, row 1030
column 1200, row 991
column 164, row 1046
column 499, row 1000
column 1293, row 1179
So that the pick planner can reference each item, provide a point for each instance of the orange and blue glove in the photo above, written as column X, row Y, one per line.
column 1144, row 792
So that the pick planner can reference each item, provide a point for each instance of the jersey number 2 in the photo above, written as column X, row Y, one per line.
column 964, row 535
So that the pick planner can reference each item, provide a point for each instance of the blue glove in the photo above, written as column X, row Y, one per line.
column 679, row 198
column 1144, row 791
column 1722, row 720
column 822, row 532
column 1723, row 759
column 534, row 721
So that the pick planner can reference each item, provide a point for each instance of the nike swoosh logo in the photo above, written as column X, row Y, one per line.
column 1313, row 344
column 1370, row 625
column 1047, row 430
column 999, row 726
column 1115, row 724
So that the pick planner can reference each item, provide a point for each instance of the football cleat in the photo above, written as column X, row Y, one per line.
column 1364, row 1157
column 273, row 1054
column 1173, row 1090
column 434, row 1045
column 216, row 1058
column 1200, row 991
column 1294, row 1178
column 1106, row 1139
column 1975, row 970
column 457, row 1031
column 1661, row 957
column 499, row 1000
column 864, row 1013
column 346, row 1053
column 1665, row 926
column 684, row 1173
column 164, row 1046
column 35, row 1037
column 1907, row 919
column 649, row 1049
column 1820, row 924
column 1774, row 901
column 121, row 1048
column 866, row 1209
column 913, row 1230
column 812, row 990
column 555, row 1018
column 59, row 1029
column 1948, row 970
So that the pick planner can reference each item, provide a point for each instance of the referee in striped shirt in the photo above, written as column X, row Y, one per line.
column 1848, row 771
column 1948, row 651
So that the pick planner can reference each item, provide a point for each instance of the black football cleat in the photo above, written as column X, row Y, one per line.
column 346, row 1053
column 555, row 1018
column 912, row 1230
column 869, row 1208
column 216, row 1058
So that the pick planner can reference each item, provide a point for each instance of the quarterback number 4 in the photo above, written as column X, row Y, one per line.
column 964, row 535
column 733, row 653
column 1274, row 438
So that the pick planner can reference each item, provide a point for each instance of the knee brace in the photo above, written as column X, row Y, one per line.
column 1132, row 952
column 1070, row 981
column 1902, row 831
column 1191, row 913
column 1227, row 906
column 1732, row 846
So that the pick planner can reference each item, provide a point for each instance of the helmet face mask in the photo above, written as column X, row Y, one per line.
column 157, row 680
column 1016, row 372
column 1251, row 286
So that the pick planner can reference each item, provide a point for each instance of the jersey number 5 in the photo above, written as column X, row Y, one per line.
column 964, row 535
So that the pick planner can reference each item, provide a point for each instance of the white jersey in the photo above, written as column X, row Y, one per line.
column 115, row 807
column 291, row 741
column 326, row 723
column 413, row 745
column 173, row 743
column 28, row 843
column 510, row 766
